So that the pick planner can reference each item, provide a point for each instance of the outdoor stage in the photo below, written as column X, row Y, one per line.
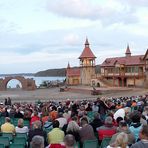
column 99, row 90
column 73, row 93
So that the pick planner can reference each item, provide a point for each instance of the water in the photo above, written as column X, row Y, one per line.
column 38, row 80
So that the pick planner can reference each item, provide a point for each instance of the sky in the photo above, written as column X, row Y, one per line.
column 38, row 35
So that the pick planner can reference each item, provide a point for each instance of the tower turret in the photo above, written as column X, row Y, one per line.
column 128, row 52
column 87, row 64
column 87, row 58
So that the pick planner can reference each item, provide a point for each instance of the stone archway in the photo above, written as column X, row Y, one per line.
column 14, row 84
column 27, row 84
column 98, row 84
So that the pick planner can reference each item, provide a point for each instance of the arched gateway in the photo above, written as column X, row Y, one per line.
column 27, row 84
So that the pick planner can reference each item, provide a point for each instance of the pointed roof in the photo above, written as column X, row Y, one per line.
column 74, row 71
column 145, row 56
column 87, row 53
column 68, row 66
column 86, row 42
column 128, row 50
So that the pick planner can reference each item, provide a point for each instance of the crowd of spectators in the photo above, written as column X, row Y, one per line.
column 56, row 124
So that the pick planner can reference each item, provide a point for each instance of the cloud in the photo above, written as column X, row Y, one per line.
column 135, row 3
column 71, row 39
column 108, row 13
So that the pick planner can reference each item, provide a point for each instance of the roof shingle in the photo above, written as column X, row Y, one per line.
column 127, row 61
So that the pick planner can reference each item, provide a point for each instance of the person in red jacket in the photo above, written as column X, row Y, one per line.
column 34, row 118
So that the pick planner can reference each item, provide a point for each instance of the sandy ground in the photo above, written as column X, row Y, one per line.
column 55, row 94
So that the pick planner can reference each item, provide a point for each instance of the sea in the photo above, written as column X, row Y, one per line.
column 38, row 80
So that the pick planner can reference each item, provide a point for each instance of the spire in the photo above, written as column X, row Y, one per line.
column 86, row 42
column 68, row 66
column 128, row 52
column 87, row 53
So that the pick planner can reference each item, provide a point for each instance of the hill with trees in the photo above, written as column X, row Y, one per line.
column 58, row 72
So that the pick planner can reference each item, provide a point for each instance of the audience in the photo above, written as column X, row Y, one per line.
column 34, row 118
column 20, row 128
column 96, row 122
column 128, row 116
column 143, row 135
column 120, row 142
column 121, row 112
column 69, row 141
column 7, row 127
column 73, row 129
column 61, row 120
column 37, row 142
column 53, row 114
column 123, row 127
column 18, row 114
column 135, row 126
column 37, row 130
column 107, row 130
column 86, row 132
column 56, row 135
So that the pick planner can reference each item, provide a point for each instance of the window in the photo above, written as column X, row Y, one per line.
column 110, row 70
column 116, row 70
column 133, row 69
column 136, row 69
column 128, row 69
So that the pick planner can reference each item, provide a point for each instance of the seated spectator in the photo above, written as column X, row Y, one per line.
column 118, row 120
column 69, row 141
column 128, row 102
column 81, row 111
column 61, row 120
column 74, row 118
column 11, row 112
column 143, row 143
column 89, row 107
column 56, row 135
column 103, row 107
column 143, row 120
column 120, row 142
column 4, row 112
column 7, row 127
column 96, row 122
column 20, row 128
column 37, row 142
column 123, row 127
column 73, row 129
column 45, row 118
column 53, row 114
column 27, row 114
column 37, row 130
column 121, row 112
column 86, row 132
column 34, row 118
column 18, row 114
column 48, row 125
column 95, row 107
column 119, row 105
column 66, row 114
column 145, row 112
column 107, row 130
column 134, row 103
column 135, row 126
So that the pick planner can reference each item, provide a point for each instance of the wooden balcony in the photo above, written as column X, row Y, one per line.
column 122, row 74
